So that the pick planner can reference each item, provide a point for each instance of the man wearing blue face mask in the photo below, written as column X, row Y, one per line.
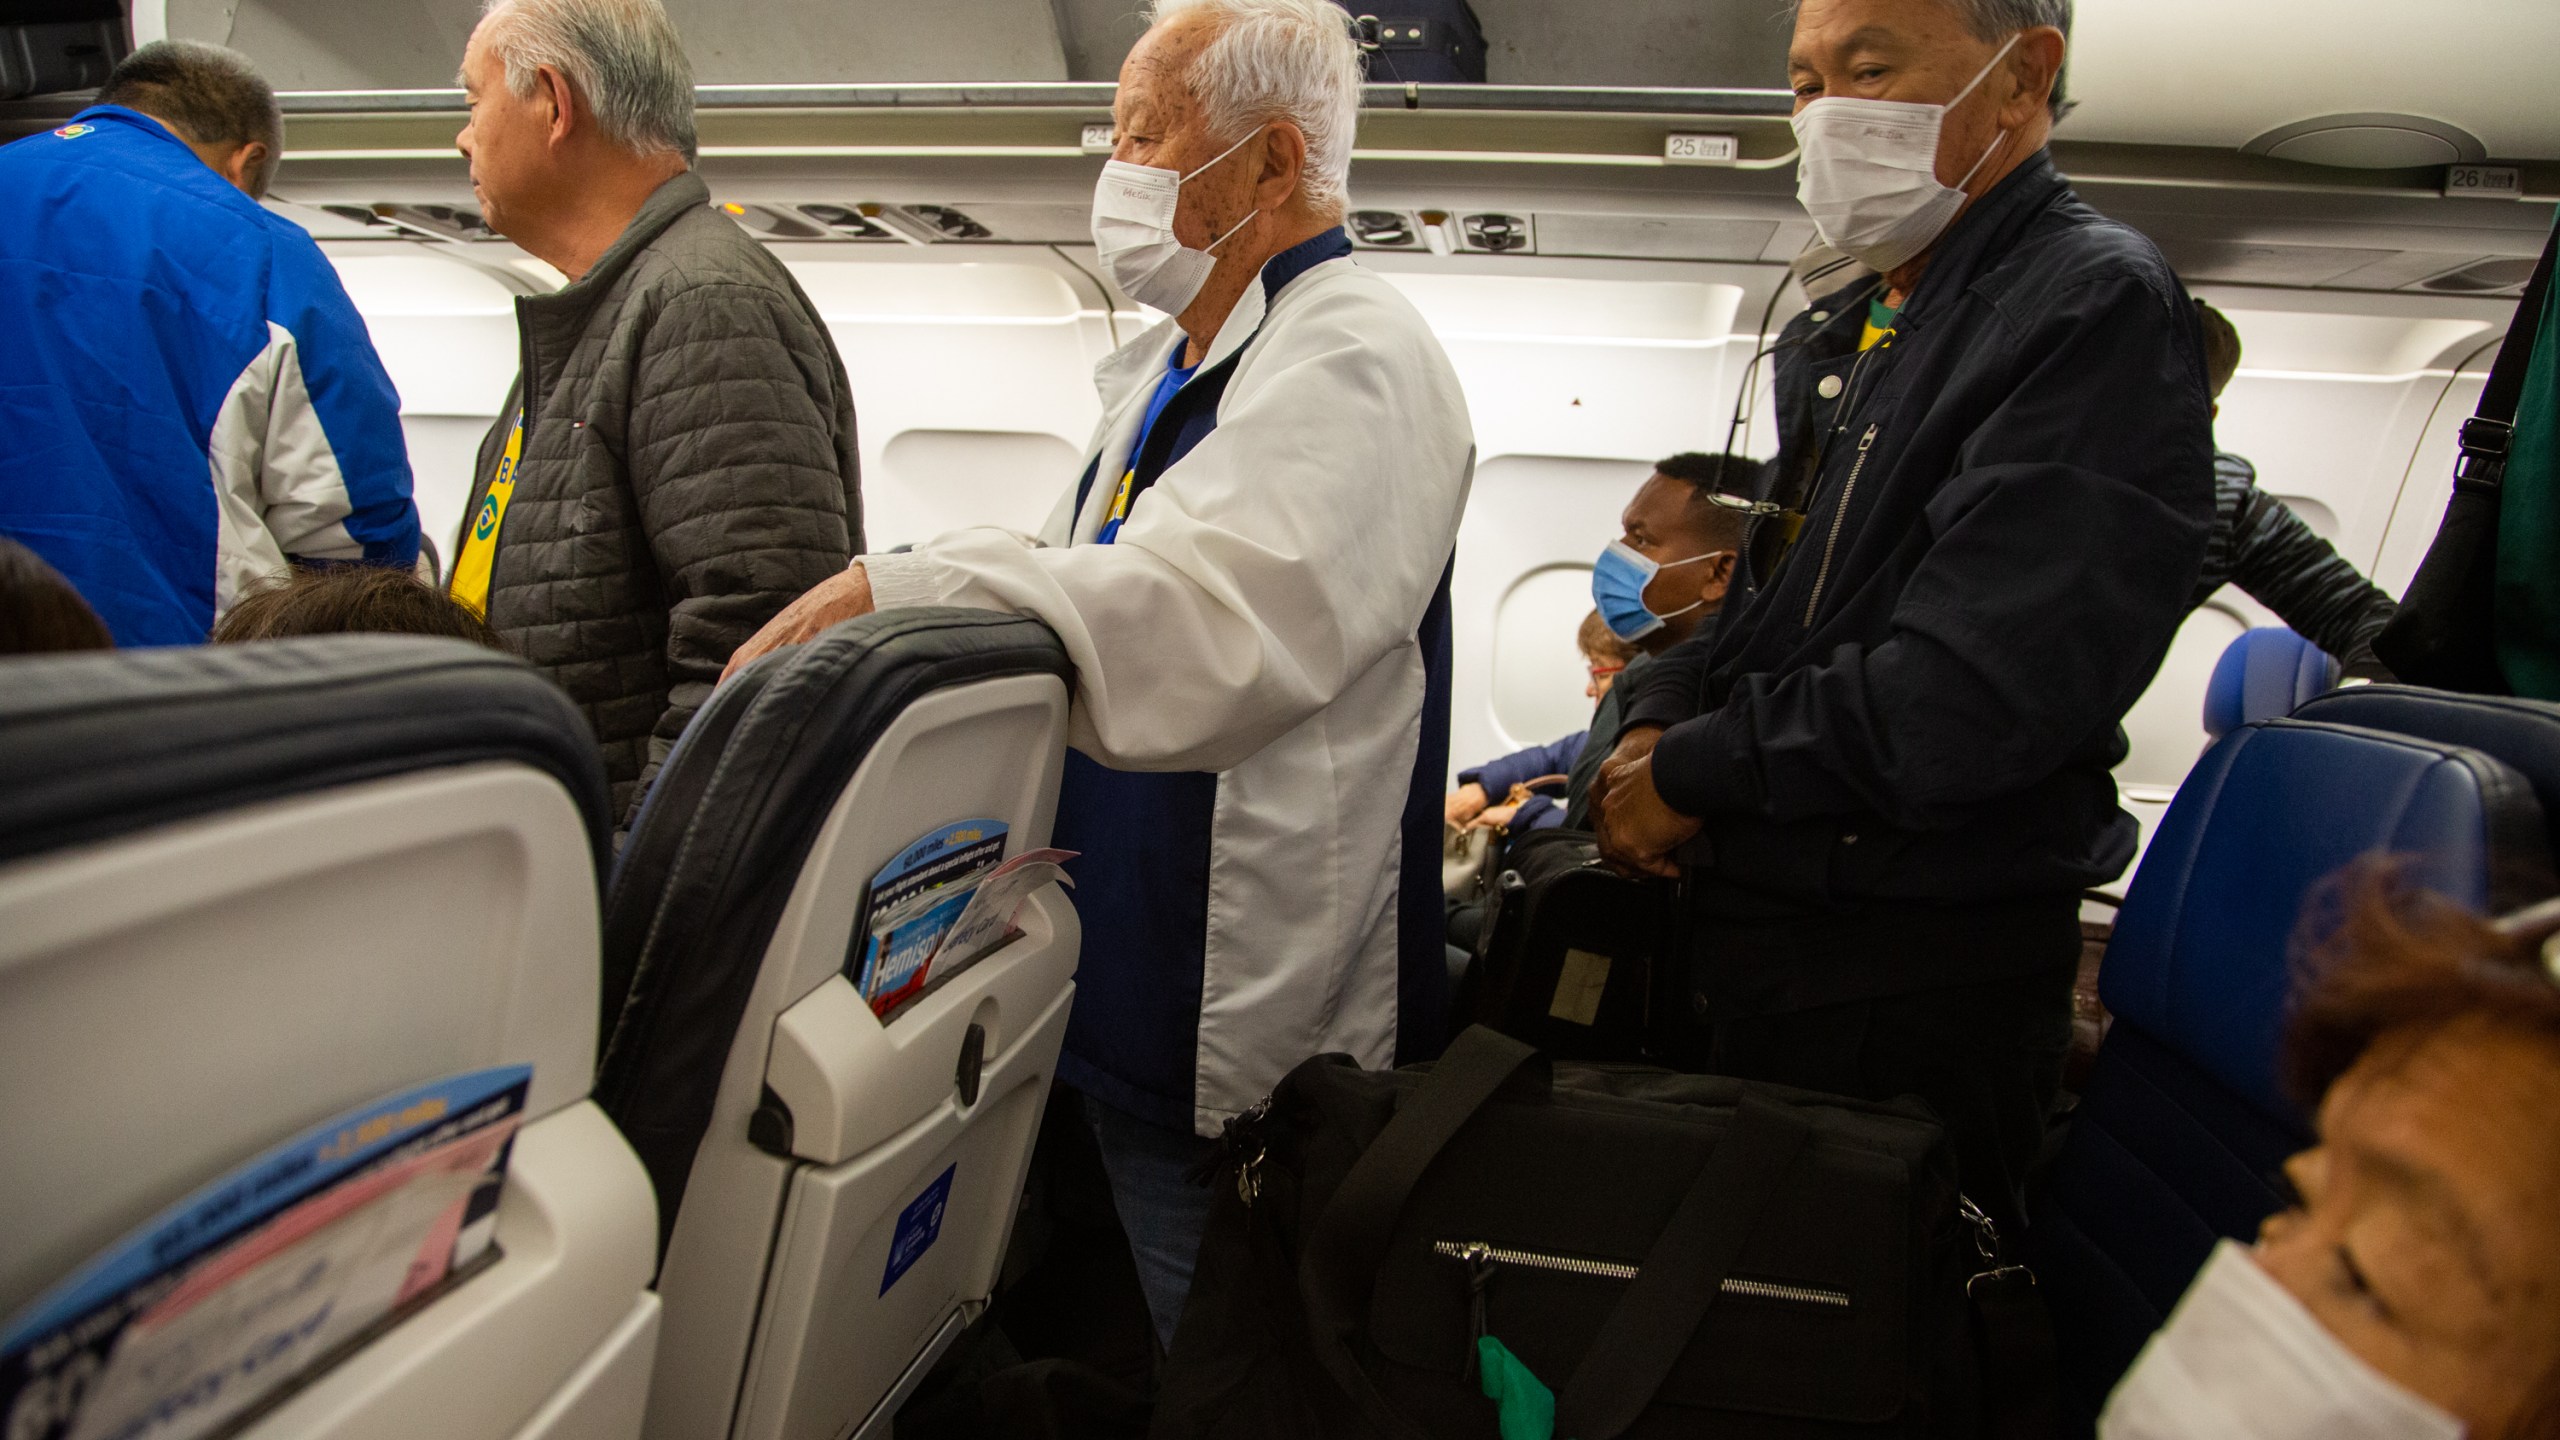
column 1251, row 575
column 1887, row 773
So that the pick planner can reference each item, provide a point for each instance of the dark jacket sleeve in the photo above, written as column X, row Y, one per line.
column 735, row 465
column 2286, row 566
column 1669, row 690
column 2061, row 558
column 1522, row 766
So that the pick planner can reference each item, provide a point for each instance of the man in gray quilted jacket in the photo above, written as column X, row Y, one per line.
column 676, row 461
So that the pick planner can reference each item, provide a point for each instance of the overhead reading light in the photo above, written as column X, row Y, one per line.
column 767, row 223
column 1384, row 229
column 2371, row 140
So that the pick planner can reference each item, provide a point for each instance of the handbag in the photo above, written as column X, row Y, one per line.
column 2445, row 634
column 1420, row 1254
column 1572, row 959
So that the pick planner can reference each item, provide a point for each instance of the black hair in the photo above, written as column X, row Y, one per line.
column 40, row 611
column 1707, row 476
column 347, row 600
column 209, row 95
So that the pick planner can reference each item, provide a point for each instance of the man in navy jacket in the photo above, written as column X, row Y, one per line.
column 1887, row 772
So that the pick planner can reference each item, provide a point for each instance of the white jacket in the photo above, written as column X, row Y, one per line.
column 1258, row 618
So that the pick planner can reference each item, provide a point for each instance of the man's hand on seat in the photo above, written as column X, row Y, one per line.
column 832, row 601
column 1638, row 831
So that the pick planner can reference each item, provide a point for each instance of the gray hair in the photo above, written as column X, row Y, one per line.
column 1290, row 60
column 209, row 95
column 622, row 56
column 1994, row 21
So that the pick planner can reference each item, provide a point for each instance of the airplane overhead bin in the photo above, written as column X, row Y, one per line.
column 297, row 1019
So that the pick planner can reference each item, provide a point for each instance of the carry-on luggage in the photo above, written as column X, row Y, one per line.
column 1652, row 1254
column 2445, row 635
column 1576, row 959
column 1429, row 42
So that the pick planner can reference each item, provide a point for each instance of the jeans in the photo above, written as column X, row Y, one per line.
column 1162, row 1211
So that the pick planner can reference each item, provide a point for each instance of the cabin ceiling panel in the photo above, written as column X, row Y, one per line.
column 2214, row 73
column 409, row 44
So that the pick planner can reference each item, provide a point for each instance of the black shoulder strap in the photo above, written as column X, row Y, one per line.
column 2488, row 434
column 1351, row 1236
column 1683, row 1273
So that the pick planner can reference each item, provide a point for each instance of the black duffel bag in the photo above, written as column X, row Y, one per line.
column 1674, row 1255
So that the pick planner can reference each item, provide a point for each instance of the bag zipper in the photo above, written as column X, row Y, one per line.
column 1839, row 517
column 1481, row 1258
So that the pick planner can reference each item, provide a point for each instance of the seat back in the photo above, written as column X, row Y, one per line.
column 2267, row 672
column 244, row 890
column 2183, row 1126
column 2525, row 734
column 837, row 1189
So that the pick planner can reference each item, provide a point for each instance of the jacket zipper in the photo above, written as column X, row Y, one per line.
column 1481, row 1258
column 1839, row 517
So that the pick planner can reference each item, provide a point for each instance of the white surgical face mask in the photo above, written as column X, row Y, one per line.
column 1133, row 209
column 1868, row 173
column 2240, row 1359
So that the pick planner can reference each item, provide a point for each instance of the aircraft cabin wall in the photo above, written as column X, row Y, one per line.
column 971, row 368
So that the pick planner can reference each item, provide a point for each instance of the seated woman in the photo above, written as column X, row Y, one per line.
column 2414, row 1287
column 1516, row 778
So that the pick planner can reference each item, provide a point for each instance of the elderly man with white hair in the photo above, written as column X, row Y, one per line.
column 1251, row 575
column 676, row 460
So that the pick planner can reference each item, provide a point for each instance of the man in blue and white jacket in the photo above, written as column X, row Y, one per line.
column 1251, row 577
column 188, row 400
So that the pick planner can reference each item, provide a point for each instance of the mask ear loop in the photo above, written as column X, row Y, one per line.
column 1212, row 247
column 1975, row 84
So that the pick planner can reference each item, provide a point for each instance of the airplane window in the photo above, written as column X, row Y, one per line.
column 1538, row 675
column 931, row 481
column 2166, row 726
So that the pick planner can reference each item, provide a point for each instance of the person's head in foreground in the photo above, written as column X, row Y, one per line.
column 1604, row 655
column 351, row 600
column 2221, row 351
column 40, row 611
column 2414, row 1288
column 212, row 99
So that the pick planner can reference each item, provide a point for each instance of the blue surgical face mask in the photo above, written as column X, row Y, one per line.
column 1618, row 583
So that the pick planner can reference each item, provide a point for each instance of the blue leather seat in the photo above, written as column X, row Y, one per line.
column 2183, row 1126
column 2267, row 672
column 2523, row 733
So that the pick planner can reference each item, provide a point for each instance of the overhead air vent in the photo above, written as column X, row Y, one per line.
column 2370, row 140
column 845, row 221
column 2481, row 277
column 950, row 224
column 1385, row 230
column 1498, row 234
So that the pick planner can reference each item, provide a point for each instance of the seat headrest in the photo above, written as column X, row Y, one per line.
column 718, row 844
column 2267, row 672
column 2201, row 958
column 107, row 743
column 2524, row 734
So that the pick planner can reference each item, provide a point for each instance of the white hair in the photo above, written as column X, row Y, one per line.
column 1290, row 60
column 622, row 56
